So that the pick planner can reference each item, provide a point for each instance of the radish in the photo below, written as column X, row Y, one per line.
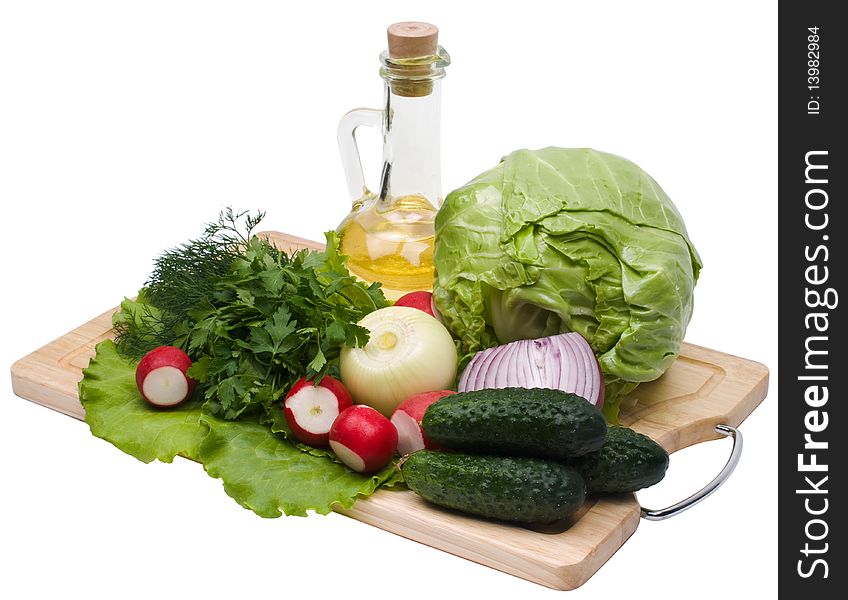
column 407, row 420
column 311, row 409
column 161, row 377
column 421, row 301
column 363, row 439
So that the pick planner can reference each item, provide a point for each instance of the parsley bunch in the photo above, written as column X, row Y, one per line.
column 252, row 317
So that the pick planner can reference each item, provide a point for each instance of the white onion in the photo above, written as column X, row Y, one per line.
column 408, row 352
column 564, row 362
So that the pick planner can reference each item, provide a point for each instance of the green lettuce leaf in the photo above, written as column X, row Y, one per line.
column 269, row 475
column 116, row 412
column 261, row 470
column 559, row 240
column 275, row 419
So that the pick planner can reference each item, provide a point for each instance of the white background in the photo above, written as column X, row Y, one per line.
column 125, row 126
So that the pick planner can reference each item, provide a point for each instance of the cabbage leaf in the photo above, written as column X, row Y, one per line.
column 559, row 240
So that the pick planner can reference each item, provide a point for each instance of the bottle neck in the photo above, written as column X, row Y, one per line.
column 412, row 144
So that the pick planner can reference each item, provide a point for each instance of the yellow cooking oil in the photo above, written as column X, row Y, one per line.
column 391, row 241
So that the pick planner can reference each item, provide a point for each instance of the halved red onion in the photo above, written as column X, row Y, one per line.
column 511, row 364
column 521, row 372
column 485, row 366
column 568, row 380
column 553, row 362
column 463, row 379
column 565, row 362
column 493, row 376
column 592, row 384
column 470, row 372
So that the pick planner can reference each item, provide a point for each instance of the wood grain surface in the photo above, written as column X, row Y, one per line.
column 702, row 389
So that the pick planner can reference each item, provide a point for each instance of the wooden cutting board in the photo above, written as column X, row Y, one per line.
column 702, row 389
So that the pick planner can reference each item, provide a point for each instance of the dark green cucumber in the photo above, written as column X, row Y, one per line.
column 537, row 422
column 526, row 490
column 628, row 461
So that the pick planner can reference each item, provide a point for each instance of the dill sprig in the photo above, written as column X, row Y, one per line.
column 140, row 327
column 187, row 275
column 182, row 278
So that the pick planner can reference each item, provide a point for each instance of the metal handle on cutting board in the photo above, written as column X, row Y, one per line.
column 676, row 509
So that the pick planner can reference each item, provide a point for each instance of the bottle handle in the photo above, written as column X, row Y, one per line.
column 351, row 161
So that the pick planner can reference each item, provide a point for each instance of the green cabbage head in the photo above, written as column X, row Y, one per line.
column 568, row 239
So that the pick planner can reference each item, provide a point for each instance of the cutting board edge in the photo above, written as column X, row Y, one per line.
column 697, row 432
column 49, row 397
column 554, row 571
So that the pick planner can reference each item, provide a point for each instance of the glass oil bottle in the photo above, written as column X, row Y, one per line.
column 389, row 235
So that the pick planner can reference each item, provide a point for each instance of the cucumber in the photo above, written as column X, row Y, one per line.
column 627, row 462
column 541, row 423
column 525, row 490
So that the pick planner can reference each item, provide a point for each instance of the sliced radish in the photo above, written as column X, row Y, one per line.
column 161, row 377
column 311, row 409
column 421, row 301
column 363, row 439
column 407, row 420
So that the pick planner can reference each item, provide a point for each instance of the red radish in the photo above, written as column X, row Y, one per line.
column 161, row 377
column 363, row 439
column 407, row 420
column 421, row 301
column 311, row 409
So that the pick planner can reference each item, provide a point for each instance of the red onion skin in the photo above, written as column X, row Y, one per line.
column 509, row 365
column 516, row 368
column 496, row 377
column 538, row 357
column 523, row 357
column 468, row 380
column 578, row 366
column 473, row 368
column 591, row 364
column 570, row 382
column 601, row 386
column 554, row 362
column 478, row 379
column 567, row 363
column 463, row 379
column 592, row 379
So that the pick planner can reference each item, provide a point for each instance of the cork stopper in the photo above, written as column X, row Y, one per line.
column 410, row 39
